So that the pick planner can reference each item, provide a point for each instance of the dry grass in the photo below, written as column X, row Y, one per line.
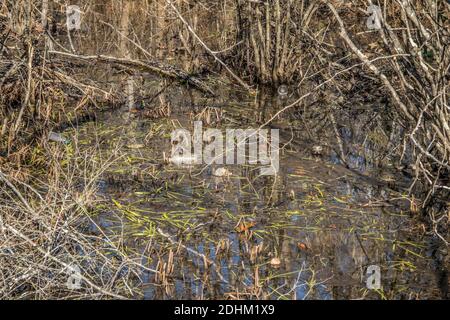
column 48, row 193
column 46, row 230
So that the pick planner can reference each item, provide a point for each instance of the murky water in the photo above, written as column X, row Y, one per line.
column 310, row 232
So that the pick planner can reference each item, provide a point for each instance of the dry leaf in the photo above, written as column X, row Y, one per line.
column 302, row 246
column 275, row 261
column 244, row 226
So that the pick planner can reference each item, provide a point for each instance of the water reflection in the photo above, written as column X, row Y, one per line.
column 325, row 216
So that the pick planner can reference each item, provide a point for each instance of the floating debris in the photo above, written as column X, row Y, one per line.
column 222, row 172
column 58, row 137
column 244, row 226
column 180, row 160
column 275, row 262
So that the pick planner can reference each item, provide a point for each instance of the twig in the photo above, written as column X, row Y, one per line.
column 172, row 241
column 212, row 53
column 147, row 66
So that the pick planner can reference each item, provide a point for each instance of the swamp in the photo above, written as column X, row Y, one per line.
column 99, row 200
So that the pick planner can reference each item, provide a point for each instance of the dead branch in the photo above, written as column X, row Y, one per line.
column 147, row 66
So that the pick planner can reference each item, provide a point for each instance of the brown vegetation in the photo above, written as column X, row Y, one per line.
column 51, row 78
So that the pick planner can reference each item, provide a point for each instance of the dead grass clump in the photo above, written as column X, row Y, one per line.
column 47, row 247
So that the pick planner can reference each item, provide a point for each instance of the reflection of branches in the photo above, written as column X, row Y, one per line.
column 212, row 53
column 194, row 252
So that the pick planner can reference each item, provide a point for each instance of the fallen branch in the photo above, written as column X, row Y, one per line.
column 147, row 66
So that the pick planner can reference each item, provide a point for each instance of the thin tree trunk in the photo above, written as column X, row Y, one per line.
column 124, row 50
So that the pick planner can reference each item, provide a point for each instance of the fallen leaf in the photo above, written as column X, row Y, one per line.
column 244, row 226
column 275, row 261
column 222, row 172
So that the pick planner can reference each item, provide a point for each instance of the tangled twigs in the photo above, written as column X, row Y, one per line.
column 372, row 67
column 144, row 66
column 194, row 252
column 212, row 53
column 42, row 238
column 416, row 81
column 65, row 265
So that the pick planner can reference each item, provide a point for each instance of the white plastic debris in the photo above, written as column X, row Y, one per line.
column 275, row 261
column 57, row 137
column 180, row 160
column 222, row 172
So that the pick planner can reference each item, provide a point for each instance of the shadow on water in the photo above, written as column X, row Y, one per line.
column 337, row 206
